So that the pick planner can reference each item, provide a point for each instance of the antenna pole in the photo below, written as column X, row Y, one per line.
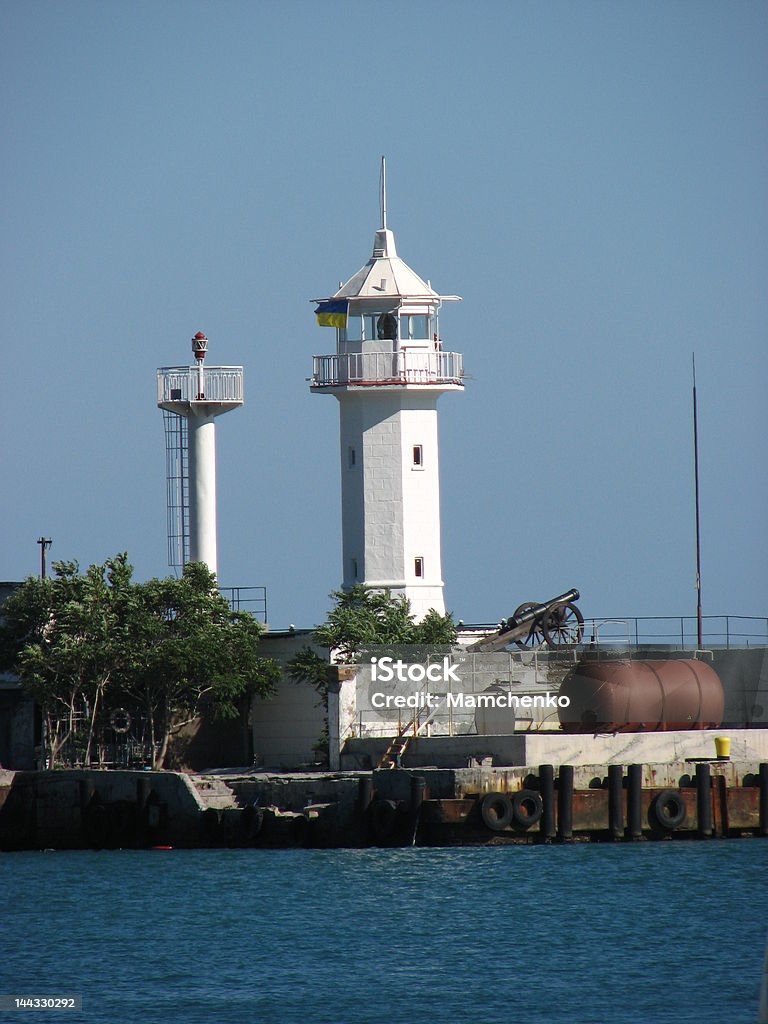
column 45, row 543
column 699, row 634
column 383, row 193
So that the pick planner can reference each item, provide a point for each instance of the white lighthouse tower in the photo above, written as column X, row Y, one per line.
column 198, row 395
column 388, row 371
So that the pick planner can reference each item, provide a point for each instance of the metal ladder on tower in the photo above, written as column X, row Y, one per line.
column 393, row 755
column 177, row 487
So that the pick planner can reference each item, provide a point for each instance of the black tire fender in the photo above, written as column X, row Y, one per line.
column 497, row 811
column 669, row 809
column 527, row 808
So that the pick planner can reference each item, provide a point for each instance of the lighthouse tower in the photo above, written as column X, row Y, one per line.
column 387, row 372
column 199, row 395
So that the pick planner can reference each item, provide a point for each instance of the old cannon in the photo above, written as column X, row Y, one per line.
column 558, row 623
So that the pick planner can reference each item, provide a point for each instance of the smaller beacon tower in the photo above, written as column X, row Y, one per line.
column 198, row 395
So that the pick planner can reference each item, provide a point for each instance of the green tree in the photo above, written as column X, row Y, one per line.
column 64, row 638
column 188, row 645
column 365, row 617
column 85, row 644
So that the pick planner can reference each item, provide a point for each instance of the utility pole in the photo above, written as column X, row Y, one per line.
column 699, row 629
column 45, row 543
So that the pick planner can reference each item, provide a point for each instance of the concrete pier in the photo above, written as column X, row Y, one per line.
column 683, row 799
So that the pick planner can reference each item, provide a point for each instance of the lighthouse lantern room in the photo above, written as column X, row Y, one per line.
column 387, row 372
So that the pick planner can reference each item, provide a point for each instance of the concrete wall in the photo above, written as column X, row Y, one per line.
column 209, row 742
column 533, row 749
column 286, row 727
column 744, row 674
column 50, row 809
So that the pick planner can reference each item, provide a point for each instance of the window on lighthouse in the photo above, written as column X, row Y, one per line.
column 418, row 327
column 354, row 329
column 381, row 326
column 418, row 566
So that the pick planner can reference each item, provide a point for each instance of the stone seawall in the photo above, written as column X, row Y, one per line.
column 81, row 809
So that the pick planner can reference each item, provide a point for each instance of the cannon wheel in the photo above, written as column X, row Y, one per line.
column 563, row 626
column 535, row 636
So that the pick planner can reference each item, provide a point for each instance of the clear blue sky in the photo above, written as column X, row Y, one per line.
column 590, row 177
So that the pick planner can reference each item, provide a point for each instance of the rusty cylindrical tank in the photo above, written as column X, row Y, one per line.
column 641, row 696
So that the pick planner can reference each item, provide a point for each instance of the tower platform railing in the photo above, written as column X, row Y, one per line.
column 361, row 369
column 179, row 384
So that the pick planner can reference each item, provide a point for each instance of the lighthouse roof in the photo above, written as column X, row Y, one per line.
column 386, row 275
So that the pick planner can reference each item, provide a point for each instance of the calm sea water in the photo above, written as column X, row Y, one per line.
column 654, row 932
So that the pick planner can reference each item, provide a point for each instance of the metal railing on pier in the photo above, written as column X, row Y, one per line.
column 667, row 630
column 247, row 599
column 718, row 630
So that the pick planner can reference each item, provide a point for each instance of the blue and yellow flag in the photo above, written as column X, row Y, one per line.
column 332, row 313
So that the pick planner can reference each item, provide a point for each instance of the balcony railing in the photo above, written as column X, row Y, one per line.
column 247, row 599
column 180, row 384
column 362, row 369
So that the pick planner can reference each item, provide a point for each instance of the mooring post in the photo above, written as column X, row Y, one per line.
column 565, row 802
column 634, row 805
column 616, row 801
column 547, row 790
column 704, row 799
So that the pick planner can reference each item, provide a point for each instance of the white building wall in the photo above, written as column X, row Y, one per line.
column 372, row 497
column 352, row 508
column 390, row 507
column 421, row 503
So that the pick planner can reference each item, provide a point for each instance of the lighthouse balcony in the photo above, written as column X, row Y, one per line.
column 222, row 385
column 372, row 369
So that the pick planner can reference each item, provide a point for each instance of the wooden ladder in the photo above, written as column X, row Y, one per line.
column 393, row 755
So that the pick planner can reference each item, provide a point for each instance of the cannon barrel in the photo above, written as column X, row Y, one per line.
column 537, row 610
column 558, row 622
